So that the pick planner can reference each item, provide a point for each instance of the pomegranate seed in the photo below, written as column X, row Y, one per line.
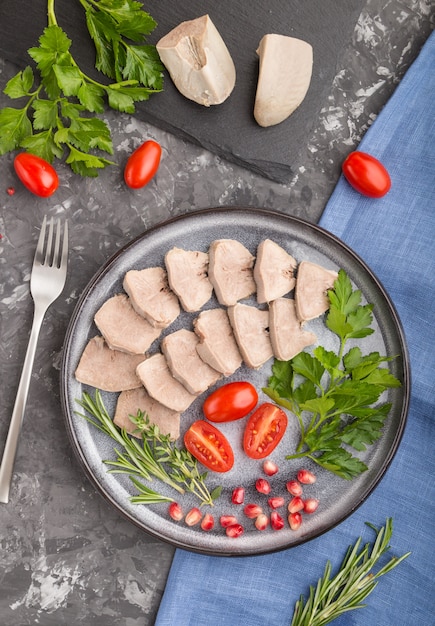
column 207, row 522
column 175, row 511
column 262, row 522
column 10, row 191
column 296, row 504
column 306, row 477
column 270, row 468
column 295, row 520
column 276, row 521
column 235, row 530
column 310, row 505
column 227, row 520
column 275, row 502
column 252, row 510
column 262, row 485
column 238, row 495
column 193, row 516
column 294, row 487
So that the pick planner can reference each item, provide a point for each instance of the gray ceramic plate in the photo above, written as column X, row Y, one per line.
column 338, row 497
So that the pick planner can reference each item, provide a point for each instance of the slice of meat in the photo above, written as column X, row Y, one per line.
column 162, row 386
column 273, row 271
column 123, row 328
column 287, row 336
column 312, row 283
column 284, row 76
column 250, row 326
column 106, row 369
column 188, row 278
column 185, row 363
column 198, row 61
column 129, row 402
column 151, row 297
column 230, row 271
column 217, row 345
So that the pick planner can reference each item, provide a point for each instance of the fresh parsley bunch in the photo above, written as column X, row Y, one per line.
column 335, row 396
column 57, row 116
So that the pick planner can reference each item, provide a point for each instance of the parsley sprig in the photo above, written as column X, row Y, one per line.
column 335, row 396
column 156, row 455
column 354, row 581
column 60, row 100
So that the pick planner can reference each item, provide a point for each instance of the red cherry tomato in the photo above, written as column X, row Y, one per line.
column 36, row 174
column 230, row 402
column 142, row 164
column 264, row 430
column 366, row 174
column 209, row 446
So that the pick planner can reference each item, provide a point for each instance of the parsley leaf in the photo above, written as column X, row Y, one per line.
column 336, row 397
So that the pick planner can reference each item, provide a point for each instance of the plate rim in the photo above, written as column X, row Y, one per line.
column 406, row 385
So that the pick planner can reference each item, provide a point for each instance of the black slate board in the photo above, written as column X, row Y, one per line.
column 228, row 129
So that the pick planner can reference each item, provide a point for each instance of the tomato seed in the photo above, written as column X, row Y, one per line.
column 252, row 510
column 310, row 505
column 275, row 502
column 175, row 511
column 227, row 520
column 207, row 522
column 238, row 495
column 276, row 521
column 294, row 487
column 306, row 477
column 296, row 504
column 193, row 516
column 261, row 522
column 234, row 531
column 270, row 468
column 263, row 486
column 295, row 520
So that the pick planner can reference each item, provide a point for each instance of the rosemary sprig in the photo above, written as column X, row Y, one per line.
column 149, row 457
column 354, row 581
column 184, row 466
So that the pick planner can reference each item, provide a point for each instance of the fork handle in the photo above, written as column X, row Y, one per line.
column 7, row 463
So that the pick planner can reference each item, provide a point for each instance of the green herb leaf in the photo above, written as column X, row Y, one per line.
column 20, row 84
column 43, row 145
column 14, row 126
column 140, row 65
column 45, row 114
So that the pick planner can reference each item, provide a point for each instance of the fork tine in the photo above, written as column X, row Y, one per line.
column 40, row 247
column 64, row 257
column 56, row 251
column 49, row 249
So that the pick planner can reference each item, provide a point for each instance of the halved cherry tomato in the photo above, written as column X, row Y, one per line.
column 230, row 402
column 209, row 446
column 366, row 174
column 142, row 164
column 36, row 174
column 264, row 430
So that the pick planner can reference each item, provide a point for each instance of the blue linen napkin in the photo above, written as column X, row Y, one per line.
column 395, row 236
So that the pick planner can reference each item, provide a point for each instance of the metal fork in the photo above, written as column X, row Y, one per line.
column 46, row 284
